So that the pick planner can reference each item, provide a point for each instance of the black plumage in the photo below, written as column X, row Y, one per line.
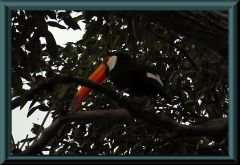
column 131, row 76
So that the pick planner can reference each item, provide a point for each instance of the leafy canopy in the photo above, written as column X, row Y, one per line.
column 198, row 96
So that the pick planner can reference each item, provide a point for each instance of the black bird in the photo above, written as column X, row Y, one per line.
column 134, row 77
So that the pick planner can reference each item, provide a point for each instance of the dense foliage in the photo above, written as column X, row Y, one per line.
column 200, row 96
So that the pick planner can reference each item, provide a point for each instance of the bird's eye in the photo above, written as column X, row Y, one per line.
column 106, row 59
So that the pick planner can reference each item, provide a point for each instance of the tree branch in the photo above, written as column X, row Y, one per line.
column 61, row 78
column 55, row 128
column 222, row 144
column 177, row 129
column 215, row 148
column 213, row 127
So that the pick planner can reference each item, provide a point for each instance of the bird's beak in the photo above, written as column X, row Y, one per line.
column 99, row 76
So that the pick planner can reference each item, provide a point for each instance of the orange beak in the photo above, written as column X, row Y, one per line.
column 99, row 76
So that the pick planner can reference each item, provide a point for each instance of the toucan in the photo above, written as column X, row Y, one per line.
column 126, row 75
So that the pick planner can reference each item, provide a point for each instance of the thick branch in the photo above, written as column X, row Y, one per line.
column 55, row 128
column 177, row 129
column 61, row 78
column 213, row 127
column 222, row 144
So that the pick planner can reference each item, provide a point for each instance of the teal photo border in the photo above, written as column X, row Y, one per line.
column 5, row 70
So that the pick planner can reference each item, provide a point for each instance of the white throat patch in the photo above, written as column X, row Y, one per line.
column 154, row 76
column 112, row 62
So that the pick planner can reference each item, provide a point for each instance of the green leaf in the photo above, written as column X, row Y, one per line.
column 71, row 23
column 200, row 93
column 182, row 147
column 55, row 24
column 23, row 104
column 30, row 112
column 116, row 127
column 196, row 79
column 210, row 112
column 17, row 82
column 205, row 140
column 42, row 107
column 175, row 79
column 188, row 73
column 39, row 107
column 51, row 14
column 51, row 45
column 35, row 128
column 41, row 23
column 122, row 148
column 189, row 101
column 218, row 112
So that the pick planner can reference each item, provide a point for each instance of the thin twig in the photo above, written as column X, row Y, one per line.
column 24, row 142
column 12, row 139
column 43, row 122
